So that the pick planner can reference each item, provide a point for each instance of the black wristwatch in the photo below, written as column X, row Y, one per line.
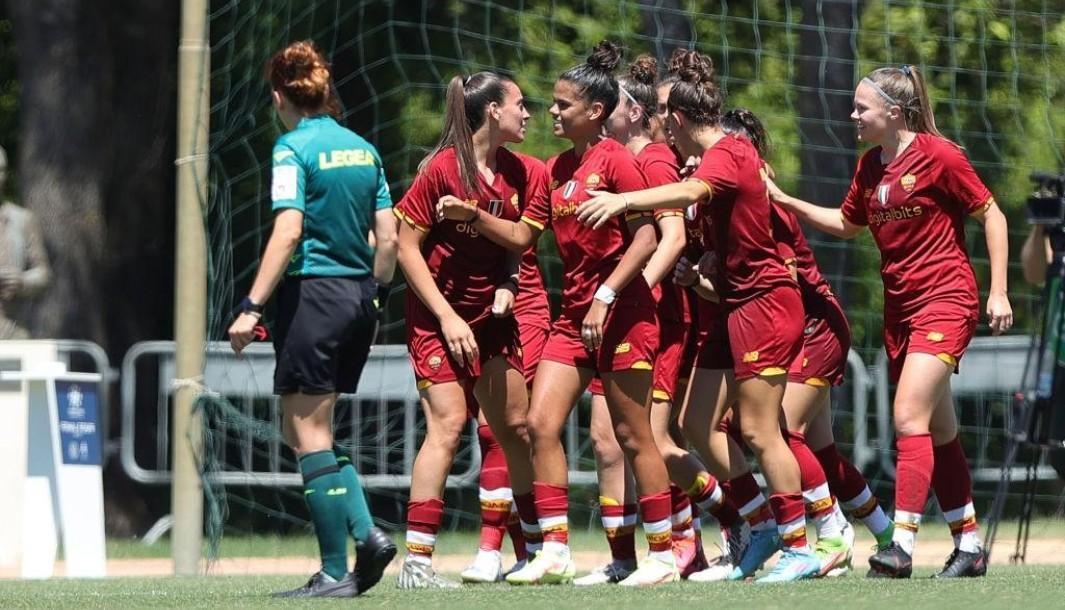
column 250, row 306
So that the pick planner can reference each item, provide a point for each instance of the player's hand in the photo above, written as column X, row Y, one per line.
column 459, row 339
column 999, row 313
column 10, row 284
column 708, row 264
column 450, row 207
column 600, row 208
column 242, row 332
column 689, row 166
column 775, row 194
column 592, row 326
column 684, row 273
column 503, row 305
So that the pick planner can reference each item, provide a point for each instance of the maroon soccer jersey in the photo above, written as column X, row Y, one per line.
column 588, row 255
column 795, row 249
column 735, row 177
column 532, row 307
column 466, row 266
column 915, row 206
column 660, row 165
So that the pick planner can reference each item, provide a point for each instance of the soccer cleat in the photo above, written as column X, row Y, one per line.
column 962, row 564
column 764, row 543
column 609, row 574
column 517, row 566
column 736, row 540
column 686, row 556
column 842, row 567
column 323, row 585
column 487, row 567
column 548, row 568
column 793, row 565
column 834, row 555
column 418, row 573
column 892, row 562
column 652, row 572
column 372, row 556
column 719, row 569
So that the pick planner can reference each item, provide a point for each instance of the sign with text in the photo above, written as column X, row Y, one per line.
column 79, row 422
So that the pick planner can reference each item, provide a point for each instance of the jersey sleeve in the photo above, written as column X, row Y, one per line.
column 718, row 171
column 418, row 206
column 288, row 179
column 854, row 202
column 537, row 206
column 383, row 199
column 960, row 182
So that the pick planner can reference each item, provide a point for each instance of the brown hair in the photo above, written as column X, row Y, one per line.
column 301, row 74
column 695, row 93
column 744, row 122
column 904, row 87
column 467, row 99
column 640, row 84
column 595, row 77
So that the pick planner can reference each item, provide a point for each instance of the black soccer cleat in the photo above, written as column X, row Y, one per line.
column 372, row 556
column 962, row 564
column 321, row 585
column 892, row 562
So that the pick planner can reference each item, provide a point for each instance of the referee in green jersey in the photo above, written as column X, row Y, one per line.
column 329, row 195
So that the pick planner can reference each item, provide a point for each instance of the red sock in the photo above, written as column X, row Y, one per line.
column 710, row 498
column 954, row 486
column 423, row 523
column 619, row 524
column 913, row 474
column 530, row 523
column 495, row 493
column 517, row 538
column 790, row 514
column 681, row 506
column 845, row 481
column 655, row 510
column 552, row 509
column 748, row 498
column 811, row 476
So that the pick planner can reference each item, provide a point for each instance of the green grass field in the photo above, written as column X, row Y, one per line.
column 1003, row 588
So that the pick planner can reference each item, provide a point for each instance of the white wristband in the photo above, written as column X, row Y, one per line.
column 605, row 294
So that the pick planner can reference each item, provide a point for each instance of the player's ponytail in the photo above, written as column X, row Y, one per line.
column 595, row 77
column 466, row 101
column 904, row 86
column 301, row 74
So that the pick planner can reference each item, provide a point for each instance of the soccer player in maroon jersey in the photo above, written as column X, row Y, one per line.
column 826, row 342
column 758, row 293
column 913, row 190
column 460, row 326
column 607, row 324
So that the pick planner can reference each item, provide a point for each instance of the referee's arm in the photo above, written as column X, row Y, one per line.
column 386, row 246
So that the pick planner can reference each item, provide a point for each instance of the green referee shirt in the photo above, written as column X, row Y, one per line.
column 336, row 179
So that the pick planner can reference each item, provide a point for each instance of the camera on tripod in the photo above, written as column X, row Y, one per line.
column 1046, row 206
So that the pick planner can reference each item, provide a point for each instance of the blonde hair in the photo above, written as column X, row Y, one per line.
column 904, row 87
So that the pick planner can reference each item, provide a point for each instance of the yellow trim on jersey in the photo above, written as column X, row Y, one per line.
column 819, row 382
column 984, row 208
column 424, row 384
column 661, row 395
column 642, row 365
column 634, row 215
column 410, row 221
column 772, row 371
column 668, row 213
column 709, row 189
column 532, row 222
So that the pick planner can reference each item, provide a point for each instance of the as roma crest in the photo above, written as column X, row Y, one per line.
column 592, row 181
column 908, row 182
column 514, row 200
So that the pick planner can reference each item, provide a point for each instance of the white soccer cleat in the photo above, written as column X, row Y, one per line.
column 653, row 572
column 487, row 567
column 418, row 573
column 720, row 568
column 547, row 568
column 609, row 574
column 843, row 564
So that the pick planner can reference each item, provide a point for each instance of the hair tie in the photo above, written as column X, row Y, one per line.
column 879, row 90
column 629, row 95
column 906, row 69
column 466, row 80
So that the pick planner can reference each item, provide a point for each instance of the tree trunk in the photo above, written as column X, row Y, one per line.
column 63, row 60
column 668, row 25
column 827, row 66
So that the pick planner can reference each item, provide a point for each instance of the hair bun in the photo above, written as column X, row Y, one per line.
column 605, row 56
column 692, row 67
column 644, row 69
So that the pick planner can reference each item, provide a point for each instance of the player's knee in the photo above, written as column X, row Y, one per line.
column 911, row 417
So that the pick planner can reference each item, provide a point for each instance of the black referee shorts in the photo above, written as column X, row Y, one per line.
column 323, row 333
